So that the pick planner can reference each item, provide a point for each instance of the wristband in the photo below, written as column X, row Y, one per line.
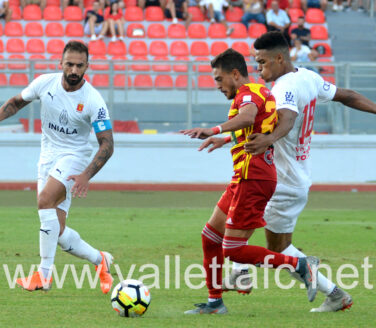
column 217, row 129
column 227, row 139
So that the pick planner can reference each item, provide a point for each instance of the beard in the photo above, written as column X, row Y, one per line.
column 73, row 79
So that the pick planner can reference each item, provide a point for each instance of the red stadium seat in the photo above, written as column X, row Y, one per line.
column 34, row 29
column 2, row 65
column 130, row 3
column 15, row 45
column 204, row 68
column 240, row 31
column 1, row 46
column 119, row 66
column 205, row 82
column 158, row 48
column 197, row 15
column 3, row 80
column 87, row 78
column 73, row 13
column 120, row 81
column 323, row 49
column 218, row 47
column 180, row 67
column 176, row 31
column 163, row 82
column 326, row 69
column 117, row 48
column 135, row 30
column 126, row 126
column 35, row 46
column 295, row 13
column 142, row 66
column 295, row 4
column 88, row 3
column 319, row 32
column 18, row 79
column 52, row 13
column 179, row 48
column 154, row 14
column 197, row 31
column 181, row 82
column 74, row 29
column 134, row 14
column 138, row 48
column 143, row 81
column 234, row 15
column 156, row 31
column 32, row 12
column 55, row 46
column 14, row 3
column 57, row 59
column 38, row 64
column 315, row 16
column 1, row 29
column 199, row 48
column 54, row 29
column 101, row 81
column 255, row 30
column 53, row 3
column 217, row 31
column 37, row 125
column 100, row 66
column 97, row 48
column 242, row 47
column 161, row 67
column 13, row 29
column 18, row 63
column 16, row 13
column 260, row 81
column 331, row 79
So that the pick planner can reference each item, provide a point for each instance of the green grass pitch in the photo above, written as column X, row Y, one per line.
column 143, row 227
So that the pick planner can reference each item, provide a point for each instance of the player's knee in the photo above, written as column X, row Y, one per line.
column 45, row 202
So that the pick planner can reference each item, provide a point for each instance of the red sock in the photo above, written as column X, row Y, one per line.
column 238, row 251
column 212, row 247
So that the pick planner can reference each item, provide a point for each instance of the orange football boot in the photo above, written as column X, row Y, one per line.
column 35, row 282
column 103, row 269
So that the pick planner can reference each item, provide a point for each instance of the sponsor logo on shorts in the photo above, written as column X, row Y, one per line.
column 58, row 171
column 268, row 157
column 229, row 221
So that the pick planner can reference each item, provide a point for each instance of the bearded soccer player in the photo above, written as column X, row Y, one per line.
column 240, row 210
column 71, row 107
column 296, row 91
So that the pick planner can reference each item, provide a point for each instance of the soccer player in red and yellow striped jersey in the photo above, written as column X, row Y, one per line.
column 240, row 210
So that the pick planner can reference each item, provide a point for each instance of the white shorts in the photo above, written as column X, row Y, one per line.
column 60, row 169
column 283, row 209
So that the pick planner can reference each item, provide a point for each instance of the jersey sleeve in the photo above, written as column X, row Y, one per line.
column 248, row 97
column 326, row 90
column 32, row 91
column 285, row 97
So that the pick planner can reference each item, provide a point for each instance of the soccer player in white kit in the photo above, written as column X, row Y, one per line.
column 296, row 90
column 70, row 108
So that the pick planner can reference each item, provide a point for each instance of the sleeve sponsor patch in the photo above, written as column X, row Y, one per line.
column 102, row 114
column 326, row 86
column 289, row 99
column 100, row 126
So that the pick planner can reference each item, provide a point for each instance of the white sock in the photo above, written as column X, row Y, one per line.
column 71, row 242
column 48, row 235
column 239, row 266
column 324, row 285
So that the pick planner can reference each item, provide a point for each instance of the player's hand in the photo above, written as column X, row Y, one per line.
column 257, row 143
column 198, row 133
column 215, row 142
column 81, row 185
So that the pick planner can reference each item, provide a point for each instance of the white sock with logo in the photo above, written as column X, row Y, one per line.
column 48, row 235
column 239, row 266
column 71, row 242
column 324, row 285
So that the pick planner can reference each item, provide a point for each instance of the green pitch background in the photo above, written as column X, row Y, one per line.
column 142, row 227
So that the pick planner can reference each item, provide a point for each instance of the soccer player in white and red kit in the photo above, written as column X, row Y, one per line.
column 240, row 210
column 70, row 108
column 296, row 91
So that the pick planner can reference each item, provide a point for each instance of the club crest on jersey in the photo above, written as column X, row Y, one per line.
column 289, row 98
column 63, row 118
column 101, row 114
column 80, row 108
column 268, row 157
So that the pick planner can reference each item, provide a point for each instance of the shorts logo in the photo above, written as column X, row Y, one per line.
column 326, row 86
column 229, row 221
column 80, row 108
column 268, row 157
column 63, row 118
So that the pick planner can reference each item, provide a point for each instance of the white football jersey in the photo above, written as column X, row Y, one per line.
column 298, row 91
column 67, row 117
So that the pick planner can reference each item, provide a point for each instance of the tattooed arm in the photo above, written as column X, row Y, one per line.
column 12, row 106
column 106, row 148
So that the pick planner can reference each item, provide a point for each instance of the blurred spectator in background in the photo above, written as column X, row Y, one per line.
column 214, row 11
column 109, row 2
column 253, row 10
column 282, row 4
column 78, row 3
column 178, row 9
column 150, row 3
column 94, row 21
column 302, row 53
column 113, row 22
column 304, row 34
column 337, row 5
column 40, row 3
column 360, row 6
column 5, row 11
column 278, row 20
column 321, row 4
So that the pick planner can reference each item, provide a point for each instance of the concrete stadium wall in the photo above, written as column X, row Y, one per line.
column 170, row 158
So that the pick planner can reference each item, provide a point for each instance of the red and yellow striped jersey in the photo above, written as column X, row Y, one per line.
column 246, row 166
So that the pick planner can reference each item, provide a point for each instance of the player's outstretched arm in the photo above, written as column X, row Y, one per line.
column 106, row 148
column 215, row 143
column 354, row 100
column 12, row 106
column 258, row 143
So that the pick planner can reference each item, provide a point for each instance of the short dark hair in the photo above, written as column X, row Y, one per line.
column 76, row 46
column 273, row 40
column 230, row 59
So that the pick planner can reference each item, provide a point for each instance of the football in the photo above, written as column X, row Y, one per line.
column 130, row 298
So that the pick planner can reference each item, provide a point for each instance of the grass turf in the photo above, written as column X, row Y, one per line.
column 141, row 228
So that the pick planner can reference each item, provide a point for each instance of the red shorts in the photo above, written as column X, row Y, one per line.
column 245, row 202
